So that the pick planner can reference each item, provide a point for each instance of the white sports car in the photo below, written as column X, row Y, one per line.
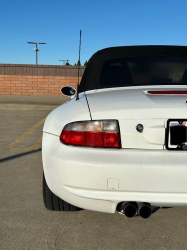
column 120, row 144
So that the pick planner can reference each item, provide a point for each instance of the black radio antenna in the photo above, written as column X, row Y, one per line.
column 79, row 62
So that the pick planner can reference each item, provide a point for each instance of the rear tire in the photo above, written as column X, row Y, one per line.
column 53, row 202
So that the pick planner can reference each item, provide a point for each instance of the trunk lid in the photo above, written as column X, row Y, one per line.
column 131, row 106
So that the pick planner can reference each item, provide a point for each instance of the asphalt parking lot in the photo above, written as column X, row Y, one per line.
column 26, row 224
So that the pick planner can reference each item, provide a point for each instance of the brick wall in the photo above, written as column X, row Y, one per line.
column 34, row 85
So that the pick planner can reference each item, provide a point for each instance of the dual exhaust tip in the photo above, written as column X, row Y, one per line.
column 131, row 209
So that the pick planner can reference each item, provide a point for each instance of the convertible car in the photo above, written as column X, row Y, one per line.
column 120, row 143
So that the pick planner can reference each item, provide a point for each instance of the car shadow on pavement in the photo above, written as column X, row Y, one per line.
column 19, row 155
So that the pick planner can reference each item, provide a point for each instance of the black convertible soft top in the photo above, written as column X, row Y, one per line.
column 92, row 75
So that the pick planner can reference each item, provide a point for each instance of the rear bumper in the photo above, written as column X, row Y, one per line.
column 98, row 179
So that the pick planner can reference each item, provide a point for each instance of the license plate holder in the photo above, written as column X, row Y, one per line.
column 176, row 134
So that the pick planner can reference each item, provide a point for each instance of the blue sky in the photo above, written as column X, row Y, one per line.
column 104, row 23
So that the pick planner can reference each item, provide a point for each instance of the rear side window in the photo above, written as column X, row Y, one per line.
column 139, row 71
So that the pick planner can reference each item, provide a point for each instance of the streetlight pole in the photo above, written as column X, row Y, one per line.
column 37, row 53
column 36, row 49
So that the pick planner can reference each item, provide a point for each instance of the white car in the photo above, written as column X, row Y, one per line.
column 120, row 144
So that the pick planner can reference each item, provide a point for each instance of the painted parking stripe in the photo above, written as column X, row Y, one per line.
column 22, row 137
column 37, row 144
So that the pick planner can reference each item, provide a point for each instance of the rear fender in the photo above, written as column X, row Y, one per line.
column 68, row 112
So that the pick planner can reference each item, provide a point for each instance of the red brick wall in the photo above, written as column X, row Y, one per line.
column 34, row 85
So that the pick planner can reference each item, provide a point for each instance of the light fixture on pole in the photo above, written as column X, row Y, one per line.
column 36, row 49
column 64, row 61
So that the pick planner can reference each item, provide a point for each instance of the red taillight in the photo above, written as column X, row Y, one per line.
column 111, row 139
column 94, row 139
column 72, row 137
column 106, row 139
column 166, row 92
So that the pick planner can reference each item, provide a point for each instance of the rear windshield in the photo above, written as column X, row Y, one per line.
column 138, row 71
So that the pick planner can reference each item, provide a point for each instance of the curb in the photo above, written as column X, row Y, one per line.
column 28, row 107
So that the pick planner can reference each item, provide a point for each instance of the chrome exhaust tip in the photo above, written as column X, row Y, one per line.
column 145, row 211
column 130, row 209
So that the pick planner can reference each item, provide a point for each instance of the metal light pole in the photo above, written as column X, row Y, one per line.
column 36, row 49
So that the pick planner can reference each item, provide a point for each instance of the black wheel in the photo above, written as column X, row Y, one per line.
column 53, row 202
